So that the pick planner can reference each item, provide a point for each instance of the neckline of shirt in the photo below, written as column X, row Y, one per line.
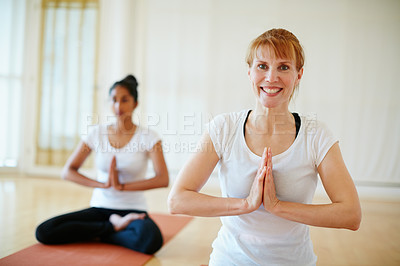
column 277, row 156
column 138, row 128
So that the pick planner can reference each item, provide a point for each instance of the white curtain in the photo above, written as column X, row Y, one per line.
column 194, row 69
column 68, row 73
column 12, row 32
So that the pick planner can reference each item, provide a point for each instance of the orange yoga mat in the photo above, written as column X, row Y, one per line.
column 93, row 253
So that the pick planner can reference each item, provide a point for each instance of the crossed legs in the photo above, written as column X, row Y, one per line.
column 129, row 228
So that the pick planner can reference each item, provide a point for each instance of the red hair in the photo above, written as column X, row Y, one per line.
column 284, row 44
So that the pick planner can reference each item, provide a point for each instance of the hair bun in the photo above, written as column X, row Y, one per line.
column 130, row 83
column 130, row 79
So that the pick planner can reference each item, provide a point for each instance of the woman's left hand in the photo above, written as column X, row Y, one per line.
column 113, row 174
column 270, row 201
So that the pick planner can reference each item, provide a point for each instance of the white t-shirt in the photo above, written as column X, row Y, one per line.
column 260, row 238
column 131, row 161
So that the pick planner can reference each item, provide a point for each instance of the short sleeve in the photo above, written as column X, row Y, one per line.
column 214, row 129
column 222, row 130
column 150, row 138
column 91, row 136
column 323, row 141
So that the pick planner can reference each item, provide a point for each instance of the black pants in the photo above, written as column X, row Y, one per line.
column 93, row 223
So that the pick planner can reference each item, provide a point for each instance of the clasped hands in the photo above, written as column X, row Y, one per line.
column 263, row 187
column 113, row 180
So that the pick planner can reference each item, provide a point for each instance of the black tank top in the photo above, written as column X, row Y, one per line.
column 297, row 122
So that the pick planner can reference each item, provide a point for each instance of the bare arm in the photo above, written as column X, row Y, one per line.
column 161, row 178
column 344, row 211
column 185, row 197
column 74, row 162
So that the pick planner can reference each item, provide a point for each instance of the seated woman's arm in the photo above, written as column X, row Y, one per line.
column 344, row 211
column 185, row 197
column 74, row 162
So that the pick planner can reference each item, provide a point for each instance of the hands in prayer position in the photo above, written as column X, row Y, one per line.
column 113, row 180
column 263, row 188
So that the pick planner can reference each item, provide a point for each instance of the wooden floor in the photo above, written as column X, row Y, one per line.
column 27, row 201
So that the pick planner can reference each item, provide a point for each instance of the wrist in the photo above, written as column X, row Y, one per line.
column 245, row 206
column 234, row 206
column 276, row 208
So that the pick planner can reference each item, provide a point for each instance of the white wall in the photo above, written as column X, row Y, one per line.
column 188, row 56
column 194, row 64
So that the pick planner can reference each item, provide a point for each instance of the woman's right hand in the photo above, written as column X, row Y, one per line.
column 255, row 198
column 108, row 183
column 185, row 196
column 112, row 174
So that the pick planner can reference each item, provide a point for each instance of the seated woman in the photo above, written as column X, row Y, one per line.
column 118, row 207
column 269, row 160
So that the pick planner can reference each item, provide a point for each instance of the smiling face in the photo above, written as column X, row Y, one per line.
column 122, row 102
column 273, row 79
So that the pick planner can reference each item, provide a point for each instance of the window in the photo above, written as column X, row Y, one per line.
column 67, row 77
column 12, row 29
